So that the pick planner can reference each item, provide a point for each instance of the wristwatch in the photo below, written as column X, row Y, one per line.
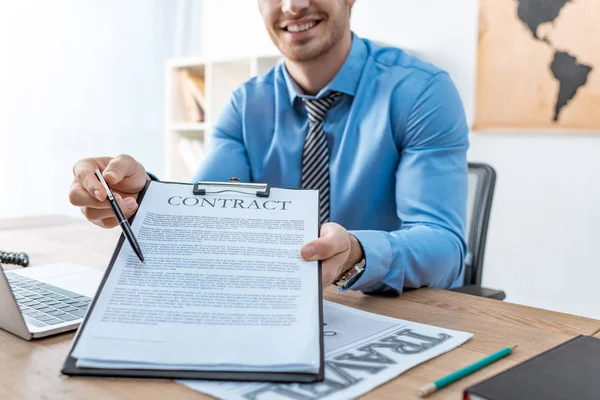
column 350, row 276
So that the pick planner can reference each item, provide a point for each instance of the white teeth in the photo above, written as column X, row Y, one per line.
column 301, row 28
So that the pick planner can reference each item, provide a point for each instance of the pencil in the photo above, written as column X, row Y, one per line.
column 461, row 373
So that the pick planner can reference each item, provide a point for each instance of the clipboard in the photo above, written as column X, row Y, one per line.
column 70, row 367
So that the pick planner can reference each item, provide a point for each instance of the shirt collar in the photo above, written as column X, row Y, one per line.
column 345, row 81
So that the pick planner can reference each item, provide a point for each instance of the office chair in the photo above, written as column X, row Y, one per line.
column 482, row 181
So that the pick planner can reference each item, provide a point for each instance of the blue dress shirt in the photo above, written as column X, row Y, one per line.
column 398, row 141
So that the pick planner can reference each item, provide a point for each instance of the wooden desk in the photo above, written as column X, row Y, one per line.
column 30, row 370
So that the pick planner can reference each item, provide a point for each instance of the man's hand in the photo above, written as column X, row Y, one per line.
column 336, row 248
column 126, row 178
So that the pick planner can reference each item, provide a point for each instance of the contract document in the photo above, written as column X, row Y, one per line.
column 363, row 351
column 223, row 290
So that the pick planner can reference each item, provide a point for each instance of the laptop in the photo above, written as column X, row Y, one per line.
column 45, row 300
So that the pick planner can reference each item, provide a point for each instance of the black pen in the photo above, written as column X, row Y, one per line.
column 120, row 217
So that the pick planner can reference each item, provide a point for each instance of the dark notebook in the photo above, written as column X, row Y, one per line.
column 570, row 370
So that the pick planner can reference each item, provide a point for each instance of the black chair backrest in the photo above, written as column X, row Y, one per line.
column 482, row 181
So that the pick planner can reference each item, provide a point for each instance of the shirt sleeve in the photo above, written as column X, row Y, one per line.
column 226, row 156
column 431, row 195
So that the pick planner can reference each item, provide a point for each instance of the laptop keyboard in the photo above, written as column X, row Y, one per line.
column 45, row 305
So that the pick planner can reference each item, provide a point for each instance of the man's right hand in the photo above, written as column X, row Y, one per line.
column 126, row 178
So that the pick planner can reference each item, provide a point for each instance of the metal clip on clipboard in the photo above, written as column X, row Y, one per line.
column 234, row 184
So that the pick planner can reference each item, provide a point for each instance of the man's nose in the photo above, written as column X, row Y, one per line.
column 294, row 6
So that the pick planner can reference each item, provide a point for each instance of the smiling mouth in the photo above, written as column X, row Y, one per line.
column 297, row 28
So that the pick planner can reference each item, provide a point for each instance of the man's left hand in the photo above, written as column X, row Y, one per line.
column 338, row 250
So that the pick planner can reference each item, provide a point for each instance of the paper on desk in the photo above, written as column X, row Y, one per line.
column 363, row 351
column 223, row 287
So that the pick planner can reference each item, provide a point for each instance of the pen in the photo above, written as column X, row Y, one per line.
column 461, row 373
column 120, row 217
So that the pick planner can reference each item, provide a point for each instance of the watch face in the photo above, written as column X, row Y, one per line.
column 356, row 274
column 351, row 275
column 353, row 279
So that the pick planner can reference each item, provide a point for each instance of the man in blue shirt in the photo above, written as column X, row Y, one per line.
column 381, row 134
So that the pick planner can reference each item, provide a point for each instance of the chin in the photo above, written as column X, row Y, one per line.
column 304, row 52
column 301, row 56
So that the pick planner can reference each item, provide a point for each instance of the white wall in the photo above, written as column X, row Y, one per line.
column 79, row 79
column 234, row 28
column 544, row 235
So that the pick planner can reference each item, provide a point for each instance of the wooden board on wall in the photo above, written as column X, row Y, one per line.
column 538, row 66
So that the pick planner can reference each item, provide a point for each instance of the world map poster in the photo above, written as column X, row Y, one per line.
column 538, row 66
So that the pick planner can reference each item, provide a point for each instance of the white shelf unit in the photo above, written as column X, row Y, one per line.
column 186, row 141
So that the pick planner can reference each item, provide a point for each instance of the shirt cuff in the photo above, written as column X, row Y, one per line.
column 378, row 258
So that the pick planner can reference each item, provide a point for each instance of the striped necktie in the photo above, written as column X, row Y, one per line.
column 315, row 156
